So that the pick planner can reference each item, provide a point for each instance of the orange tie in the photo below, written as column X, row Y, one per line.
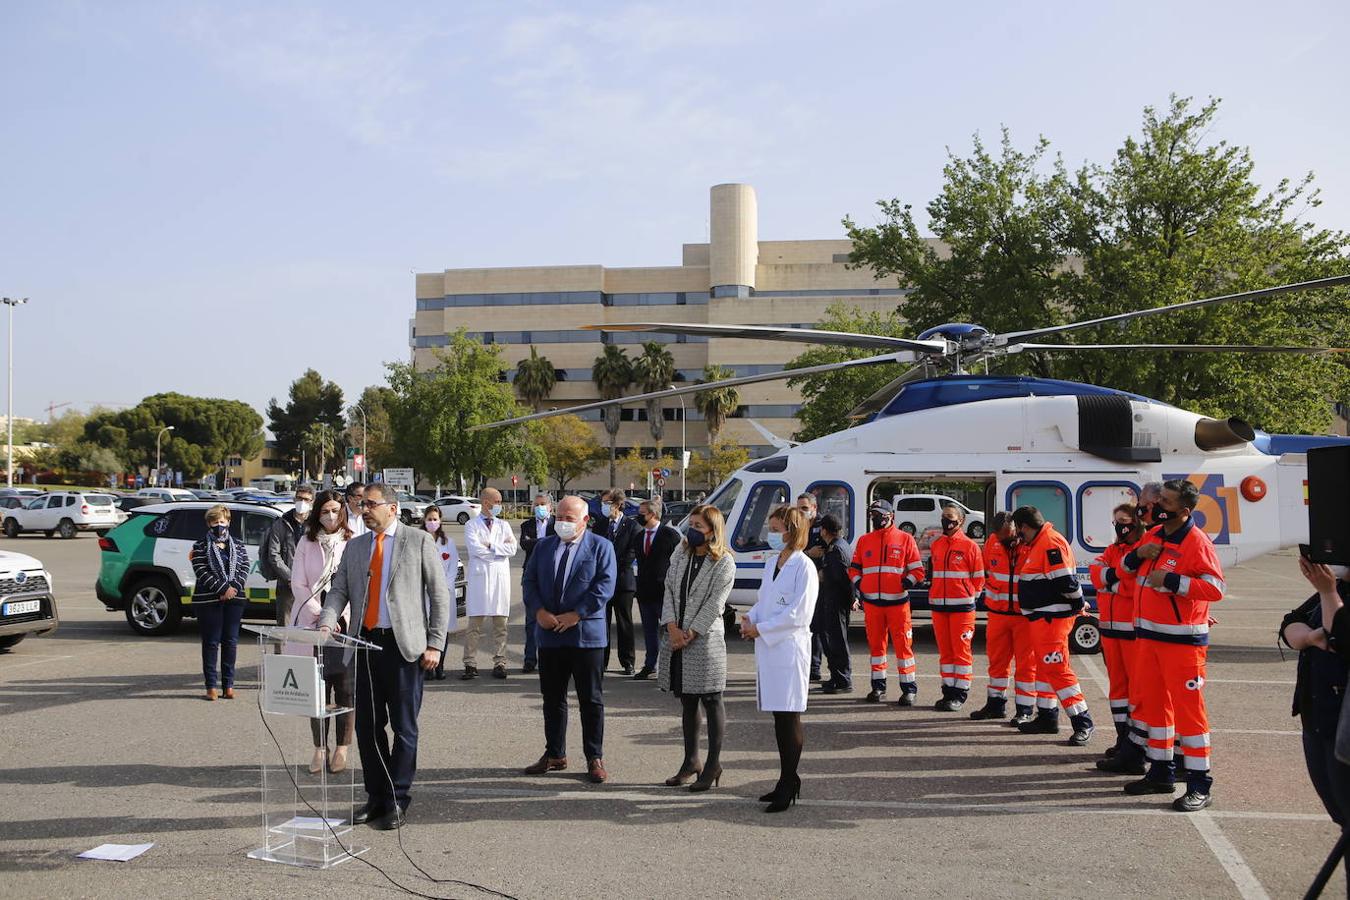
column 376, row 580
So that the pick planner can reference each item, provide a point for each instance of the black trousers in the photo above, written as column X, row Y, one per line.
column 829, row 638
column 620, row 618
column 1330, row 778
column 388, row 696
column 585, row 668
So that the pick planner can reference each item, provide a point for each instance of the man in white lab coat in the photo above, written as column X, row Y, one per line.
column 490, row 543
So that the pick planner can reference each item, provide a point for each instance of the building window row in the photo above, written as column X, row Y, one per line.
column 845, row 292
column 559, row 298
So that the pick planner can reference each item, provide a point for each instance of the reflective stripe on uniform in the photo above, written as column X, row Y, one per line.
column 1194, row 740
column 1162, row 628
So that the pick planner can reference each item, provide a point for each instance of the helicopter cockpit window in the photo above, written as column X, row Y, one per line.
column 754, row 524
column 835, row 499
column 725, row 499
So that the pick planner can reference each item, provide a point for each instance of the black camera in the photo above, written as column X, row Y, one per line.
column 1328, row 506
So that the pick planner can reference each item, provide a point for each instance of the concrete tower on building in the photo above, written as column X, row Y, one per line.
column 735, row 278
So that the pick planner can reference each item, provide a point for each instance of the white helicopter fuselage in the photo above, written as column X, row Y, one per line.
column 1074, row 456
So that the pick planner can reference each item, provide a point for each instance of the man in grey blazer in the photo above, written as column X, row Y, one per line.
column 393, row 579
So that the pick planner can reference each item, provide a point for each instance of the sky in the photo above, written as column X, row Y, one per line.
column 212, row 197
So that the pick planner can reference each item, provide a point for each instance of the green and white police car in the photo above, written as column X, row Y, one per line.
column 146, row 571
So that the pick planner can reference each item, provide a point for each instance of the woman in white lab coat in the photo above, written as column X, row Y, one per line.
column 780, row 625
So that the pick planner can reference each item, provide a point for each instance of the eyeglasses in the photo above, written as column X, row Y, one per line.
column 371, row 504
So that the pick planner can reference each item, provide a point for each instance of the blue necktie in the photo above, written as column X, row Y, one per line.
column 560, row 577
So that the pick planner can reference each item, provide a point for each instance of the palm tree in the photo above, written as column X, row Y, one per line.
column 718, row 403
column 612, row 373
column 653, row 371
column 535, row 378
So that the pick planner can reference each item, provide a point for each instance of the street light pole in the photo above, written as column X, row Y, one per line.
column 11, row 302
column 365, row 438
column 684, row 447
column 157, row 437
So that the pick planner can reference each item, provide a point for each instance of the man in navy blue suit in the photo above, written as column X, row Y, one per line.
column 568, row 583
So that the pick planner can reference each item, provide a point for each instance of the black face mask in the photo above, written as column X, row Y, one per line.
column 695, row 538
column 1123, row 530
column 948, row 526
column 1144, row 511
column 879, row 521
column 1163, row 515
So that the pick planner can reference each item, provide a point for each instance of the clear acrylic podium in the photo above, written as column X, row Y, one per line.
column 307, row 816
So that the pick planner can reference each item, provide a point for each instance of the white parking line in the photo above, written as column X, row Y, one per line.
column 1241, row 874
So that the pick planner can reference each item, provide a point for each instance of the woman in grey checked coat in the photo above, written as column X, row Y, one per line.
column 693, row 661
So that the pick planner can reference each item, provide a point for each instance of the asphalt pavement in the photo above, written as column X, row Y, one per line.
column 105, row 737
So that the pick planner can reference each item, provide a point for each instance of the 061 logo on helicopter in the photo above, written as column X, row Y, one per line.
column 1217, row 513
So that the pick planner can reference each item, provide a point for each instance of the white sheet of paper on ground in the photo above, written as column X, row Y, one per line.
column 313, row 823
column 116, row 852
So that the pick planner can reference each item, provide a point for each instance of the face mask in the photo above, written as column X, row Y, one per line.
column 329, row 520
column 878, row 521
column 1340, row 571
column 606, row 509
column 1144, row 511
column 565, row 530
column 1163, row 515
column 496, row 509
column 776, row 540
column 948, row 526
column 220, row 532
column 809, row 513
column 432, row 525
column 302, row 508
column 695, row 538
column 1123, row 530
column 541, row 512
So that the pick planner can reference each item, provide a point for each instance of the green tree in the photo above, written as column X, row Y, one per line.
column 433, row 410
column 310, row 400
column 568, row 447
column 717, row 404
column 612, row 373
column 713, row 466
column 1175, row 216
column 638, row 463
column 206, row 432
column 828, row 397
column 535, row 378
column 653, row 371
column 320, row 450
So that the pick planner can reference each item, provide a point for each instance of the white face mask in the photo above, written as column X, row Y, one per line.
column 431, row 524
column 302, row 508
column 565, row 530
column 1340, row 571
column 495, row 510
column 329, row 520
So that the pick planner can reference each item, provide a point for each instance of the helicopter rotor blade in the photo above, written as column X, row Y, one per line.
column 772, row 333
column 1013, row 337
column 700, row 387
column 1189, row 348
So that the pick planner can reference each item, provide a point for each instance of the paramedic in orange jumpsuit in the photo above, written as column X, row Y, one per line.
column 954, row 586
column 1007, row 634
column 1051, row 598
column 886, row 564
column 1179, row 576
column 1115, row 611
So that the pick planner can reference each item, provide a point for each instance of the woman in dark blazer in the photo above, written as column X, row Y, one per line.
column 220, row 563
column 693, row 661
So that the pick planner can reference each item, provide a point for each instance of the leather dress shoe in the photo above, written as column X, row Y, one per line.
column 644, row 673
column 626, row 670
column 389, row 821
column 546, row 763
column 210, row 693
column 835, row 687
column 595, row 771
column 228, row 693
column 529, row 667
column 365, row 813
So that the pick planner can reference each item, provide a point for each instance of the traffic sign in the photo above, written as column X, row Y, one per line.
column 514, row 481
column 351, row 453
column 359, row 462
column 656, row 473
column 665, row 473
column 660, row 482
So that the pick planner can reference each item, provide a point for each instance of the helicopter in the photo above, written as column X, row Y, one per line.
column 1073, row 450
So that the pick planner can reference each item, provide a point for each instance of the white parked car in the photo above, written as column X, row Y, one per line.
column 916, row 512
column 455, row 508
column 66, row 513
column 167, row 494
column 27, row 605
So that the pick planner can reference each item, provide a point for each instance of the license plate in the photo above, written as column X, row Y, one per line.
column 21, row 607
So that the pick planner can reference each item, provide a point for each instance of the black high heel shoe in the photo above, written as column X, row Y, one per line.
column 684, row 776
column 785, row 796
column 778, row 786
column 709, row 779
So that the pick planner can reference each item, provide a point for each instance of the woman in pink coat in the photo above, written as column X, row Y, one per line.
column 316, row 559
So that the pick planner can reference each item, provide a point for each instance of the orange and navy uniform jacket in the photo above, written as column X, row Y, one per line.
column 999, row 594
column 1046, row 577
column 886, row 564
column 1177, row 612
column 1116, row 591
column 958, row 573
